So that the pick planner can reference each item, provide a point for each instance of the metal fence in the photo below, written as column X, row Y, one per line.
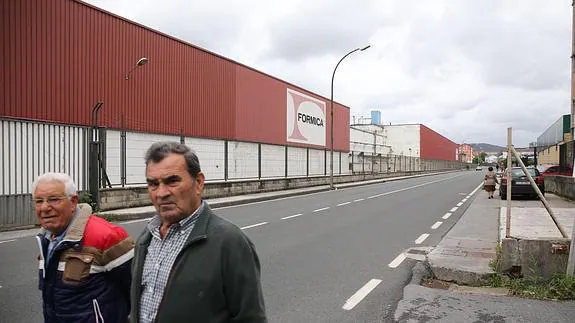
column 30, row 149
column 362, row 162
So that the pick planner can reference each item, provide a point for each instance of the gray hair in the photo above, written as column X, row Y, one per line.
column 69, row 185
column 159, row 150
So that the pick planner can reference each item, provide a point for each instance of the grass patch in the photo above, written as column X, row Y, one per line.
column 560, row 287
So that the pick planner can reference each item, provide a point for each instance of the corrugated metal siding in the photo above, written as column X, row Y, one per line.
column 435, row 146
column 261, row 111
column 60, row 57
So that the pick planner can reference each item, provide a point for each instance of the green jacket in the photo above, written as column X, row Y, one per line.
column 215, row 278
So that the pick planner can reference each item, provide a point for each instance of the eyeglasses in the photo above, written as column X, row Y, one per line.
column 52, row 200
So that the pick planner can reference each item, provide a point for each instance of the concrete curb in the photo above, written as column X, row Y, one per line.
column 419, row 272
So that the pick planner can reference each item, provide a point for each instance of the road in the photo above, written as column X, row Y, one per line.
column 334, row 256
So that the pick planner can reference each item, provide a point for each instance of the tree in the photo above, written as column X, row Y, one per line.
column 480, row 159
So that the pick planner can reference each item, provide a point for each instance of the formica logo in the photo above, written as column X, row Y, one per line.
column 305, row 119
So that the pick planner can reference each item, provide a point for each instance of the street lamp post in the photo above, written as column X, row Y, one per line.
column 141, row 61
column 331, row 113
column 94, row 163
column 410, row 159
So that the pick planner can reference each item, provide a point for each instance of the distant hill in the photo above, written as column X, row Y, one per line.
column 487, row 147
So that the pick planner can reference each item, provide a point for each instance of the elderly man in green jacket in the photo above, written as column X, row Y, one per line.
column 191, row 265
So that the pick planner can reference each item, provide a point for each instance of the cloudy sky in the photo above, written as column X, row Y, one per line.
column 468, row 69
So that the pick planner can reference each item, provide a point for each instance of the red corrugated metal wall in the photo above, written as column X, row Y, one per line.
column 435, row 146
column 62, row 56
column 261, row 111
column 59, row 57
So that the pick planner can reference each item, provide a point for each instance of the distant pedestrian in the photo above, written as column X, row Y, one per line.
column 191, row 265
column 84, row 260
column 489, row 182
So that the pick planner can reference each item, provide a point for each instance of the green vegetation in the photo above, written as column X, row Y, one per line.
column 560, row 287
column 86, row 197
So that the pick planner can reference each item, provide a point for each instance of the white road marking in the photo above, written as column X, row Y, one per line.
column 271, row 200
column 254, row 225
column 372, row 197
column 446, row 216
column 411, row 187
column 342, row 204
column 7, row 241
column 322, row 209
column 397, row 261
column 416, row 257
column 475, row 190
column 358, row 200
column 291, row 216
column 464, row 200
column 360, row 294
column 421, row 238
column 436, row 225
column 460, row 204
column 454, row 209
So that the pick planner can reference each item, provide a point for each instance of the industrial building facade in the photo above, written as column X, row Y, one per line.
column 63, row 58
column 413, row 147
column 70, row 80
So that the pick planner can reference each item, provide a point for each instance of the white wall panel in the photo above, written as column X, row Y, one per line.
column 317, row 163
column 136, row 146
column 242, row 160
column 403, row 137
column 273, row 161
column 345, row 163
column 297, row 158
column 113, row 154
column 210, row 152
column 30, row 149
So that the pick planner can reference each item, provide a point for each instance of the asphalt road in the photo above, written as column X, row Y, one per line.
column 326, row 257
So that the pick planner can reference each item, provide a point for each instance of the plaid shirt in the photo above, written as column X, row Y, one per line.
column 160, row 260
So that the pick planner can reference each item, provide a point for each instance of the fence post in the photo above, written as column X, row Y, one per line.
column 325, row 162
column 286, row 161
column 259, row 161
column 340, row 163
column 123, row 169
column 226, row 160
column 307, row 162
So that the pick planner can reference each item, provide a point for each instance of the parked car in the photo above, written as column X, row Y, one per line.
column 520, row 185
column 553, row 169
column 478, row 167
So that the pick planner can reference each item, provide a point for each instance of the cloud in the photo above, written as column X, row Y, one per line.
column 468, row 69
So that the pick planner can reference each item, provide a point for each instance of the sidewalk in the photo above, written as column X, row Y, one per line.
column 464, row 254
column 463, row 257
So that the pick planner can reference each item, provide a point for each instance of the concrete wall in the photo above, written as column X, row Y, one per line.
column 534, row 258
column 561, row 185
